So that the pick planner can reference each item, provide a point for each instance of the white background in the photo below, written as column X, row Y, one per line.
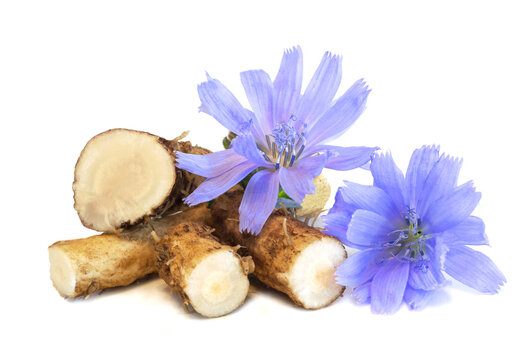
column 453, row 73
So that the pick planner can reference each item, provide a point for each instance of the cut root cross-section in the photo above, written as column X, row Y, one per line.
column 289, row 255
column 83, row 266
column 124, row 175
column 209, row 277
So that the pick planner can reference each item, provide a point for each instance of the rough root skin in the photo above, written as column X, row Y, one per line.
column 273, row 254
column 161, row 225
column 196, row 266
column 82, row 266
column 127, row 157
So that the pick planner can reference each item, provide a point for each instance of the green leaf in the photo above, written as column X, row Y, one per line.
column 283, row 194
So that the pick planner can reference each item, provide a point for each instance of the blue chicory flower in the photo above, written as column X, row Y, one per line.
column 409, row 230
column 282, row 138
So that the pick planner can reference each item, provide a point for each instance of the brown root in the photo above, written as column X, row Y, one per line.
column 124, row 175
column 210, row 277
column 303, row 269
column 82, row 266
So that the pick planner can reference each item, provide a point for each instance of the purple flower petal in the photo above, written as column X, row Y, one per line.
column 341, row 205
column 258, row 201
column 371, row 198
column 347, row 201
column 345, row 158
column 321, row 90
column 362, row 293
column 388, row 176
column 436, row 250
column 338, row 218
column 388, row 287
column 213, row 187
column 336, row 224
column 209, row 165
column 220, row 103
column 245, row 146
column 452, row 209
column 314, row 164
column 417, row 299
column 258, row 87
column 337, row 119
column 474, row 269
column 368, row 229
column 296, row 182
column 471, row 231
column 441, row 180
column 287, row 85
column 420, row 165
column 425, row 276
column 358, row 268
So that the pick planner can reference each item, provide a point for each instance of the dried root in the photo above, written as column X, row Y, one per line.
column 83, row 266
column 289, row 256
column 209, row 277
column 124, row 175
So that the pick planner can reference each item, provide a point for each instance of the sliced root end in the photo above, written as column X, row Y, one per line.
column 218, row 284
column 121, row 176
column 62, row 272
column 312, row 275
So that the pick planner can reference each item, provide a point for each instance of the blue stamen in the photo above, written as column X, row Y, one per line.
column 293, row 158
column 410, row 243
column 285, row 144
column 274, row 150
column 422, row 265
column 300, row 151
column 268, row 141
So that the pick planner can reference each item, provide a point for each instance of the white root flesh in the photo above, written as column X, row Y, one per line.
column 218, row 285
column 121, row 176
column 312, row 274
column 209, row 277
column 289, row 255
column 82, row 266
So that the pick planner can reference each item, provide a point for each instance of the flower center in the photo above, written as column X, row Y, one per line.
column 284, row 145
column 410, row 244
